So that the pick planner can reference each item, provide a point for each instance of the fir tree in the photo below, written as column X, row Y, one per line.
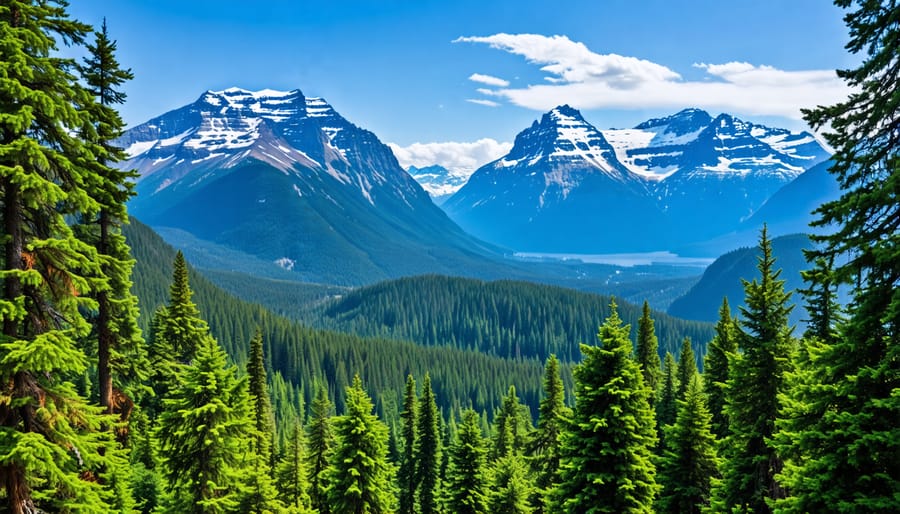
column 667, row 408
column 428, row 449
column 606, row 463
column 202, row 434
column 121, row 355
column 406, row 474
column 687, row 367
column 359, row 475
column 290, row 474
column 51, row 444
column 842, row 417
column 648, row 353
column 466, row 480
column 715, row 368
column 511, row 486
column 512, row 426
column 544, row 446
column 757, row 377
column 689, row 461
column 259, row 494
column 320, row 438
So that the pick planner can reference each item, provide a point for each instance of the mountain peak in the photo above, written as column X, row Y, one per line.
column 682, row 122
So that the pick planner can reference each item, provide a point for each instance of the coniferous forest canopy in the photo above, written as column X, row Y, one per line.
column 132, row 384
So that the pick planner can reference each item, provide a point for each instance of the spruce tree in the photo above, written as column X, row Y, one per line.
column 689, row 460
column 843, row 415
column 290, row 474
column 715, row 368
column 202, row 434
column 757, row 377
column 428, row 450
column 121, row 355
column 647, row 353
column 512, row 426
column 511, row 486
column 259, row 493
column 466, row 481
column 320, row 441
column 544, row 446
column 667, row 408
column 359, row 475
column 51, row 443
column 606, row 463
column 406, row 474
column 687, row 367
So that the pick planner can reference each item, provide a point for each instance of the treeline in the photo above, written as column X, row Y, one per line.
column 502, row 318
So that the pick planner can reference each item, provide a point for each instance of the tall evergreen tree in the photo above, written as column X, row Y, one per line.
column 667, row 408
column 757, row 377
column 715, row 368
column 259, row 493
column 687, row 367
column 359, row 475
column 320, row 440
column 689, row 460
column 290, row 474
column 428, row 449
column 121, row 355
column 466, row 481
column 51, row 447
column 511, row 486
column 406, row 474
column 544, row 445
column 843, row 416
column 606, row 454
column 512, row 426
column 647, row 353
column 202, row 434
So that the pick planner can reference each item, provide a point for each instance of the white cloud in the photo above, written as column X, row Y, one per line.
column 460, row 158
column 489, row 80
column 584, row 79
column 479, row 101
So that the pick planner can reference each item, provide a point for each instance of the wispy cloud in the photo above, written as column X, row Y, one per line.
column 585, row 79
column 481, row 101
column 460, row 158
column 489, row 80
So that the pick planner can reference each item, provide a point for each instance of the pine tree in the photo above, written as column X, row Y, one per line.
column 428, row 449
column 51, row 443
column 259, row 494
column 121, row 355
column 667, row 408
column 715, row 368
column 689, row 461
column 512, row 426
column 466, row 480
column 544, row 446
column 687, row 367
column 359, row 475
column 511, row 486
column 606, row 463
column 647, row 353
column 757, row 377
column 320, row 438
column 843, row 415
column 202, row 434
column 406, row 475
column 290, row 474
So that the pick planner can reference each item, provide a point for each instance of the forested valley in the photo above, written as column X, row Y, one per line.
column 132, row 384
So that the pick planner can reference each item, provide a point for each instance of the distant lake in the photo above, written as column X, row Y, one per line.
column 622, row 259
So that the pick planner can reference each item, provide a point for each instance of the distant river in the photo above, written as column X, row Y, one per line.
column 622, row 259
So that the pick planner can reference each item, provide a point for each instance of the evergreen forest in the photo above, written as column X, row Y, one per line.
column 130, row 383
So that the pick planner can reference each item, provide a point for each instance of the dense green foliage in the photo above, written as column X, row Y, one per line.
column 544, row 445
column 606, row 452
column 466, row 477
column 502, row 318
column 647, row 352
column 428, row 450
column 715, row 368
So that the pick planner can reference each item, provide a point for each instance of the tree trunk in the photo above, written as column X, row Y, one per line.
column 104, row 336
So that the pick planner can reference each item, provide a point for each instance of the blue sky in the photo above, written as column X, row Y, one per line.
column 461, row 78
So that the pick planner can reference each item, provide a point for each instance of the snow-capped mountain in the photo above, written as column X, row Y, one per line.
column 285, row 177
column 683, row 177
column 560, row 180
column 438, row 181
